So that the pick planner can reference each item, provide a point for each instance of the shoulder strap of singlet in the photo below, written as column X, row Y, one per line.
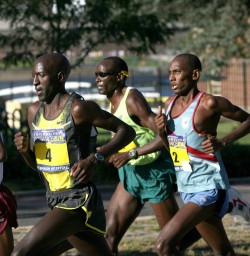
column 125, row 96
column 38, row 113
column 195, row 100
column 73, row 96
column 170, row 105
column 123, row 99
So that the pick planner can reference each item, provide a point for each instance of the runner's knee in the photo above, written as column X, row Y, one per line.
column 163, row 247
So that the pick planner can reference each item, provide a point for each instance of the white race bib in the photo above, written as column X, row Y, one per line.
column 179, row 154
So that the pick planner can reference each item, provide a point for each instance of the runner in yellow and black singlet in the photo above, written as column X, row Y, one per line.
column 60, row 131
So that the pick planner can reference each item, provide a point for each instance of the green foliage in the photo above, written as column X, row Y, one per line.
column 73, row 26
column 217, row 31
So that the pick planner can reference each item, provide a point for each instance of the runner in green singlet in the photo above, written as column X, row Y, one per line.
column 146, row 172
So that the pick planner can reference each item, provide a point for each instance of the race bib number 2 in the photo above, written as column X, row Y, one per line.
column 178, row 151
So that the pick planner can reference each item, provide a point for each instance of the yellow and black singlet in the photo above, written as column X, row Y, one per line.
column 56, row 147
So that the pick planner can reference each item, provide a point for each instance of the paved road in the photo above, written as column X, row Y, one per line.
column 32, row 204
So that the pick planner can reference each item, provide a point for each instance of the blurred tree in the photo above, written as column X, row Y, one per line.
column 218, row 31
column 79, row 26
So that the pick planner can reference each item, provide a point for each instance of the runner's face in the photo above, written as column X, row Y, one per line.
column 44, row 81
column 181, row 76
column 106, row 78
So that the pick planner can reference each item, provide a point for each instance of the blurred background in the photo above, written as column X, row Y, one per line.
column 147, row 34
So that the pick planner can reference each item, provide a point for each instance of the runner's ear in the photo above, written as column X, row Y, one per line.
column 196, row 74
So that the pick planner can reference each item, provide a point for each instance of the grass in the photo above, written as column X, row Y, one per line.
column 140, row 238
column 226, row 127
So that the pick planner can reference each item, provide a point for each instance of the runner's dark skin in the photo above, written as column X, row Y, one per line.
column 123, row 207
column 184, row 73
column 61, row 229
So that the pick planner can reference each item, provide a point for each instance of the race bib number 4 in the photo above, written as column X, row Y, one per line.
column 178, row 151
column 51, row 150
